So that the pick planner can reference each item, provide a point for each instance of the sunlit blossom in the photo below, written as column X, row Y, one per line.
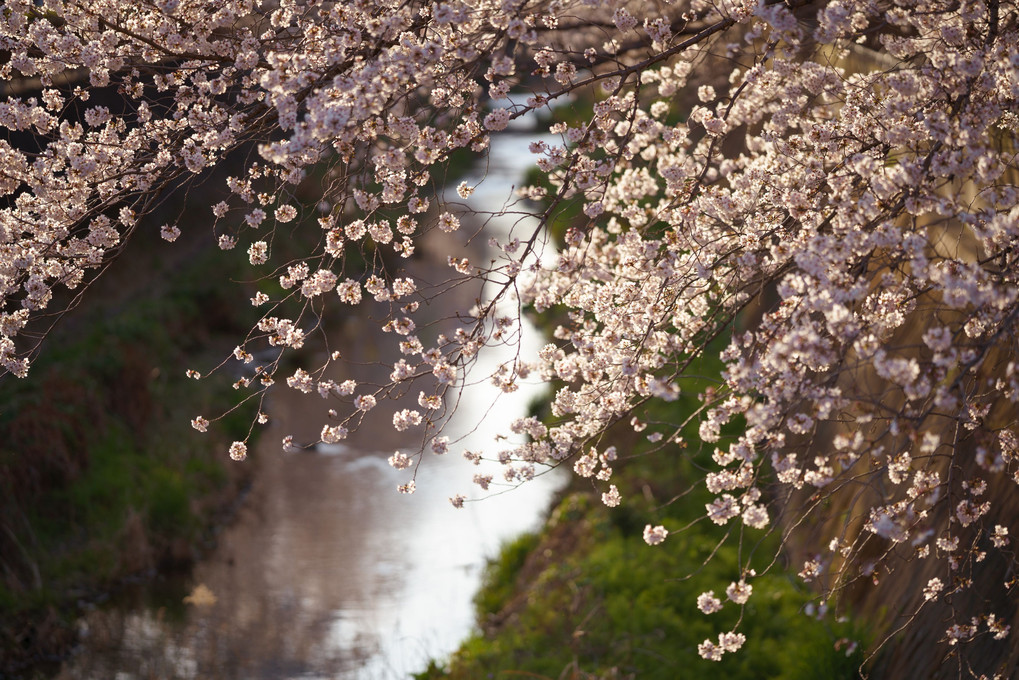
column 821, row 197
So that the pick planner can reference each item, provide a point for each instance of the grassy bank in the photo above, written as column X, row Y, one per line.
column 101, row 478
column 587, row 598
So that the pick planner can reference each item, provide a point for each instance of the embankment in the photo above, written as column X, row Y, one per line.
column 101, row 477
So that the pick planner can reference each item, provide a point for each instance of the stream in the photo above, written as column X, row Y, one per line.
column 326, row 571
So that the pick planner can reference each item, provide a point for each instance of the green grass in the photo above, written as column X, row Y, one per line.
column 100, row 473
column 587, row 595
column 500, row 576
column 587, row 598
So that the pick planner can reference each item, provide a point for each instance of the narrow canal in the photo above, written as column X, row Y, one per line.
column 326, row 571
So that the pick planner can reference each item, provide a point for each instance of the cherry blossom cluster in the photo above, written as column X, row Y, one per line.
column 824, row 195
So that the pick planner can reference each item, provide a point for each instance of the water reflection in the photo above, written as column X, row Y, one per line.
column 327, row 572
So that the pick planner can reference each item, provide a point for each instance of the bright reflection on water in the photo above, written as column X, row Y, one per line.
column 327, row 572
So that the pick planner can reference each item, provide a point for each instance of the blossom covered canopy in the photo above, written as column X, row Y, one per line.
column 827, row 189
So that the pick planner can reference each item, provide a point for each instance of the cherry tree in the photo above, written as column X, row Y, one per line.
column 824, row 193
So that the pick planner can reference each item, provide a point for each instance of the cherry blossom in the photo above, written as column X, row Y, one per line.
column 823, row 196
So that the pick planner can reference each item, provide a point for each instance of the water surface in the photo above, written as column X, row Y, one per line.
column 328, row 572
